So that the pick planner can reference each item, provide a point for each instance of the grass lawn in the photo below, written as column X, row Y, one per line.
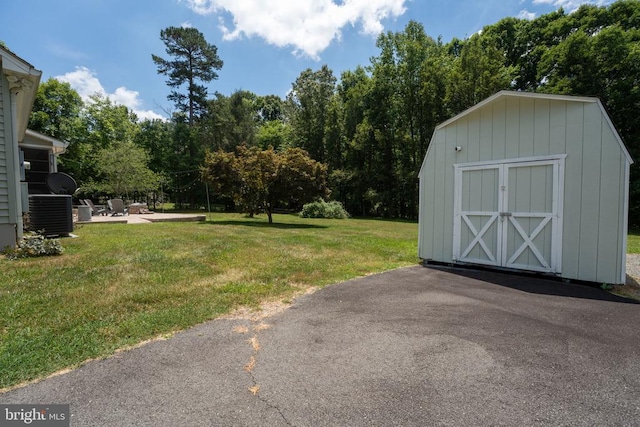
column 117, row 284
column 632, row 288
column 633, row 242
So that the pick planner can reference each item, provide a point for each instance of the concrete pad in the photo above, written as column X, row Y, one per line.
column 145, row 218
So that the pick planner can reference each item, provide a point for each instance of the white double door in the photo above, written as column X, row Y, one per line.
column 509, row 214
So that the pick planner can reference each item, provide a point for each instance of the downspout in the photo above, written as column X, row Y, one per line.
column 15, row 86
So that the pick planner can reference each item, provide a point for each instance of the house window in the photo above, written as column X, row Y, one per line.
column 36, row 175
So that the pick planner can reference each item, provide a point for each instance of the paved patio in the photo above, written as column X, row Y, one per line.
column 144, row 218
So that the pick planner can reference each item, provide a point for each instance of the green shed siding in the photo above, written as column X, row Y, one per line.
column 511, row 126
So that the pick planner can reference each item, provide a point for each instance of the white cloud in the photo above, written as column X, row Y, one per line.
column 572, row 5
column 525, row 14
column 127, row 97
column 85, row 82
column 309, row 26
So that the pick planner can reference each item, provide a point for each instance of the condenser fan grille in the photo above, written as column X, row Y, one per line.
column 52, row 214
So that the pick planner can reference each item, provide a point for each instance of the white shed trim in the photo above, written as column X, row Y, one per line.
column 515, row 160
column 625, row 225
column 503, row 222
column 515, row 94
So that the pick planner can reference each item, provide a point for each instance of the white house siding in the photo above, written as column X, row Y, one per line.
column 516, row 126
column 14, row 116
column 4, row 187
column 7, row 226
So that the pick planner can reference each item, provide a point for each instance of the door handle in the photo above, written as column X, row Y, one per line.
column 503, row 214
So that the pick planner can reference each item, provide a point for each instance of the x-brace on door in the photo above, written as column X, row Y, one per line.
column 509, row 214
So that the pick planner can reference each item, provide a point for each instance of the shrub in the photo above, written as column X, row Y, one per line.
column 34, row 245
column 322, row 209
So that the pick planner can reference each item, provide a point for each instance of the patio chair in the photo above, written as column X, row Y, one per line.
column 116, row 207
column 95, row 209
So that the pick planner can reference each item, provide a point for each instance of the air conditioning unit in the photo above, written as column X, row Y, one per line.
column 51, row 214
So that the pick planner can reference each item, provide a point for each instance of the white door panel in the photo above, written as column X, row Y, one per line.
column 509, row 214
column 477, row 221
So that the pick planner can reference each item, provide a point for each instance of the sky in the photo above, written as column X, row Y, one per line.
column 105, row 46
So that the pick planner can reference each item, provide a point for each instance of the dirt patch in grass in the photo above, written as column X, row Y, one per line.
column 268, row 308
column 631, row 289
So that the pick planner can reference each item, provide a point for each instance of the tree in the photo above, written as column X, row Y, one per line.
column 413, row 48
column 230, row 121
column 124, row 178
column 274, row 134
column 334, row 140
column 261, row 179
column 308, row 102
column 186, row 159
column 242, row 106
column 404, row 106
column 476, row 74
column 270, row 108
column 156, row 138
column 193, row 60
column 56, row 110
column 273, row 128
column 107, row 149
column 102, row 123
column 357, row 174
column 106, row 121
column 384, row 133
column 216, row 124
column 299, row 179
column 193, row 63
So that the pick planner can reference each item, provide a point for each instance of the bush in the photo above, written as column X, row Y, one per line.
column 34, row 245
column 322, row 209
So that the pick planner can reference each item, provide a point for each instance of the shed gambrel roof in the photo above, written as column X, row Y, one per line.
column 514, row 94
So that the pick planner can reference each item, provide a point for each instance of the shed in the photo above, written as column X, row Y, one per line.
column 528, row 181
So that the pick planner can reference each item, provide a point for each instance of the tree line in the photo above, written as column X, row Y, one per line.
column 371, row 126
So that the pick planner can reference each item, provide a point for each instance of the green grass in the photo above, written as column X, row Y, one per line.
column 117, row 285
column 633, row 242
column 170, row 207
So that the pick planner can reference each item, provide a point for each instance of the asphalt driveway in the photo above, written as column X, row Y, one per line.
column 415, row 346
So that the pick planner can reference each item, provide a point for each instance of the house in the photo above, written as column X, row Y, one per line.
column 39, row 154
column 26, row 157
column 531, row 182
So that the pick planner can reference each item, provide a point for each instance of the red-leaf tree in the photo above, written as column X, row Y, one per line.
column 259, row 179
